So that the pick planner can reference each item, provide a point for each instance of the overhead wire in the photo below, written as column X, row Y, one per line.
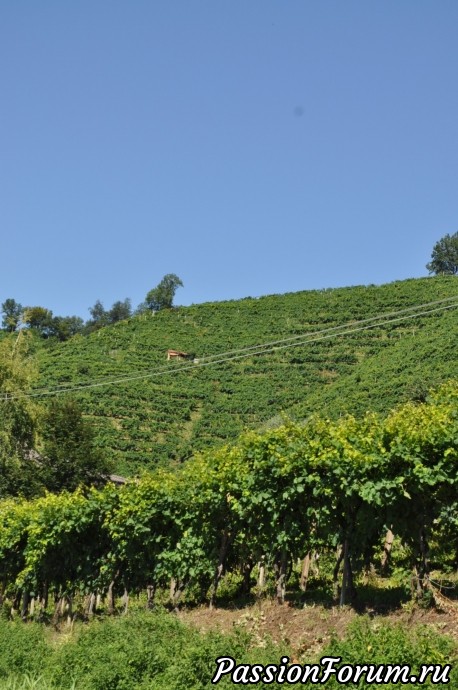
column 333, row 328
column 208, row 358
column 249, row 351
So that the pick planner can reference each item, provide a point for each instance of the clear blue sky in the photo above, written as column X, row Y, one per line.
column 250, row 146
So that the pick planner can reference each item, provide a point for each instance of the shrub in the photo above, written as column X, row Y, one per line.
column 374, row 643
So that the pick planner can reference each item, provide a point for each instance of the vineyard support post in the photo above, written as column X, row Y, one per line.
column 385, row 562
column 335, row 574
column 69, row 610
column 44, row 597
column 420, row 570
column 150, row 592
column 247, row 569
column 177, row 587
column 305, row 571
column 280, row 576
column 90, row 604
column 220, row 567
column 125, row 600
column 25, row 604
column 261, row 574
column 110, row 594
column 346, row 575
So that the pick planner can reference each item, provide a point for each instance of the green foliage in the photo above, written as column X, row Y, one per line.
column 154, row 651
column 444, row 257
column 69, row 456
column 39, row 319
column 18, row 417
column 22, row 649
column 120, row 311
column 273, row 497
column 151, row 421
column 165, row 655
column 65, row 327
column 25, row 681
column 12, row 311
column 141, row 651
column 162, row 296
column 369, row 642
column 402, row 370
column 99, row 317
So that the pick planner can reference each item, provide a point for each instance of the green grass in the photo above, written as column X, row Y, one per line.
column 30, row 682
column 155, row 651
column 371, row 642
column 143, row 651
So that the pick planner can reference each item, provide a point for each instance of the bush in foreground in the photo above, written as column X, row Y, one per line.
column 155, row 651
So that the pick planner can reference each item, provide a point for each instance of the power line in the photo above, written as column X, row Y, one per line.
column 265, row 348
column 209, row 358
column 335, row 328
column 205, row 359
column 241, row 354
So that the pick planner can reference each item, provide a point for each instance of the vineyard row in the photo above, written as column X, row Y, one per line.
column 270, row 499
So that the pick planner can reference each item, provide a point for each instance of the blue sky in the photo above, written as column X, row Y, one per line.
column 250, row 146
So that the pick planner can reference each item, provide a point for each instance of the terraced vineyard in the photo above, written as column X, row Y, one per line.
column 183, row 407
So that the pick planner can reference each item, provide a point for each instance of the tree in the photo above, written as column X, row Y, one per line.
column 69, row 456
column 64, row 327
column 18, row 418
column 38, row 318
column 120, row 311
column 12, row 311
column 161, row 297
column 99, row 317
column 444, row 257
column 98, row 312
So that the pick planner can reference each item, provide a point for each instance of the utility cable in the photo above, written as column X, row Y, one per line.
column 265, row 348
column 207, row 359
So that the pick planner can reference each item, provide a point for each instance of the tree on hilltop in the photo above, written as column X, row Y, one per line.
column 12, row 312
column 98, row 313
column 99, row 317
column 38, row 318
column 444, row 257
column 161, row 297
column 120, row 311
column 65, row 327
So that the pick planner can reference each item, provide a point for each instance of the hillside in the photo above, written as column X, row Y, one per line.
column 186, row 406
